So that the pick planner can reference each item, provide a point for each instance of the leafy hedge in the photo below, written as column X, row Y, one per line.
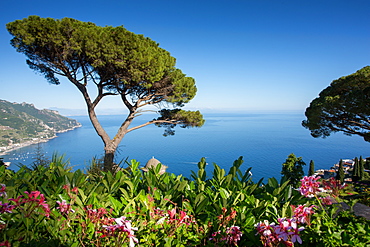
column 55, row 206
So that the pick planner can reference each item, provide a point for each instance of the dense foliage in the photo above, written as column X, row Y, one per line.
column 114, row 60
column 343, row 106
column 55, row 206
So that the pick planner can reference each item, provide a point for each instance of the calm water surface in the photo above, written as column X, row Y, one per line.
column 264, row 141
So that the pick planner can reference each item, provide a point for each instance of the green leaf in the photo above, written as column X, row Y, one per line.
column 272, row 182
column 117, row 205
column 224, row 193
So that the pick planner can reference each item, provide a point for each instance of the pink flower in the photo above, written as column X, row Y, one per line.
column 64, row 207
column 285, row 233
column 123, row 225
column 326, row 200
column 6, row 244
column 302, row 213
column 180, row 218
column 264, row 228
column 172, row 213
column 6, row 208
column 214, row 234
column 17, row 200
column 309, row 186
column 34, row 200
column 183, row 218
column 295, row 234
column 334, row 186
column 32, row 197
column 95, row 215
column 283, row 228
column 75, row 190
column 233, row 235
column 2, row 190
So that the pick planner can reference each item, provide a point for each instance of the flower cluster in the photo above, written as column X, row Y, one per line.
column 286, row 232
column 231, row 235
column 302, row 213
column 117, row 229
column 6, row 208
column 178, row 217
column 98, row 216
column 288, row 229
column 225, row 218
column 64, row 207
column 334, row 186
column 174, row 217
column 310, row 187
column 33, row 201
column 122, row 226
column 326, row 200
column 3, row 190
column 69, row 191
column 6, row 244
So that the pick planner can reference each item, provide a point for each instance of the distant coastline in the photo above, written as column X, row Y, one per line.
column 12, row 147
column 264, row 141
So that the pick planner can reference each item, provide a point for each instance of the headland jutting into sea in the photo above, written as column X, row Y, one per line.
column 14, row 146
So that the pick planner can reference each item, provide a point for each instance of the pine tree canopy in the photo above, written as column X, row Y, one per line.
column 115, row 61
column 343, row 106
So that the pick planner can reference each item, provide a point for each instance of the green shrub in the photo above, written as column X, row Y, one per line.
column 55, row 206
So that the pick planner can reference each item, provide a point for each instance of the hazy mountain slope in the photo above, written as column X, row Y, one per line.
column 23, row 122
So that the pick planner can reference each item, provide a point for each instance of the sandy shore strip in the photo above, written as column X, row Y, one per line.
column 23, row 144
column 16, row 146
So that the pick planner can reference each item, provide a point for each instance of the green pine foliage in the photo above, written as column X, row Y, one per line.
column 115, row 61
column 342, row 107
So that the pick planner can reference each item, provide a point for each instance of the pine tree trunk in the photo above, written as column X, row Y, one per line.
column 109, row 159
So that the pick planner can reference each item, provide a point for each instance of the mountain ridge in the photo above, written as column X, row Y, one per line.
column 23, row 124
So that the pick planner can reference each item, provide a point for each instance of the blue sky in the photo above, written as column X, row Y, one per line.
column 244, row 55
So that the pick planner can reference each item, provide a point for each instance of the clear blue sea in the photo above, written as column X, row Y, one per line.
column 264, row 141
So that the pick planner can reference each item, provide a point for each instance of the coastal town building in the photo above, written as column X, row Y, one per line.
column 348, row 165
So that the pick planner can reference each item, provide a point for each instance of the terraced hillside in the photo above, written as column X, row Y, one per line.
column 23, row 122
